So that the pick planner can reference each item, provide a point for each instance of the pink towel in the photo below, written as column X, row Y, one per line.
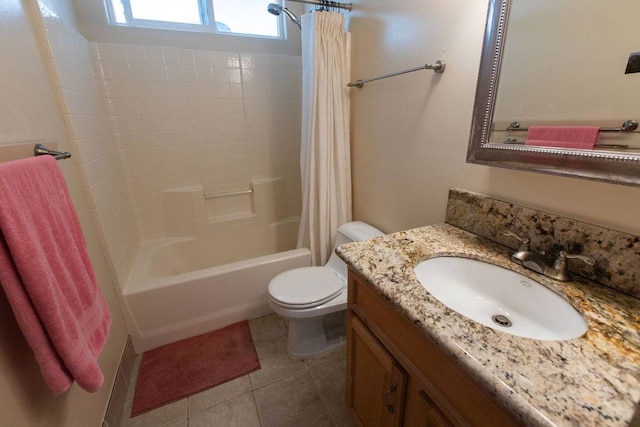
column 47, row 275
column 578, row 137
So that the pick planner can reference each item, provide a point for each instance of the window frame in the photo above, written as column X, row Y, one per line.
column 207, row 19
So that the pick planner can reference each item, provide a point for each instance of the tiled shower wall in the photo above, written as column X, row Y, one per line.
column 193, row 123
column 156, row 129
column 83, row 101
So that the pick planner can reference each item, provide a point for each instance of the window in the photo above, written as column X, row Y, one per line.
column 246, row 17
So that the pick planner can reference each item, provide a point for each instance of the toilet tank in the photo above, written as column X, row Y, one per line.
column 350, row 232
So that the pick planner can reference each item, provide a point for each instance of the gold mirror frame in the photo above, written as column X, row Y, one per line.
column 596, row 165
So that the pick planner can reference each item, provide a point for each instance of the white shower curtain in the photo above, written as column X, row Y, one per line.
column 325, row 159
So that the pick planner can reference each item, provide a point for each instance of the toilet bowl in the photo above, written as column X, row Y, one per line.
column 314, row 299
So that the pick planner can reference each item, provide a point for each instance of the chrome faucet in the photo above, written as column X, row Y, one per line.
column 523, row 251
column 559, row 270
column 538, row 263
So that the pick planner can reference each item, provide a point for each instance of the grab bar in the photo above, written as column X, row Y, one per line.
column 438, row 67
column 231, row 193
column 41, row 150
column 627, row 126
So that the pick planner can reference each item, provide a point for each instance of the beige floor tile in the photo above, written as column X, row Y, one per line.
column 167, row 414
column 288, row 392
column 219, row 394
column 181, row 423
column 329, row 377
column 275, row 363
column 238, row 412
column 344, row 420
column 267, row 328
column 291, row 402
column 317, row 360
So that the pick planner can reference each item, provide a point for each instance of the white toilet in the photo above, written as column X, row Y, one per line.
column 314, row 299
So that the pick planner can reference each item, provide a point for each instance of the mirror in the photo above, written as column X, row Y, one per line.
column 550, row 63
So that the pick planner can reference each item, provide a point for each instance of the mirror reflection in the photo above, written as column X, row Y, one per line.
column 565, row 63
column 558, row 89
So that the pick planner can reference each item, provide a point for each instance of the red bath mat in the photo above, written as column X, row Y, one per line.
column 186, row 367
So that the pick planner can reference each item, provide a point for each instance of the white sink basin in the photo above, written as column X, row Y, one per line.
column 500, row 299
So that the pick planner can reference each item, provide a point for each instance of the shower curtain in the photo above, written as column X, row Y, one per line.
column 325, row 153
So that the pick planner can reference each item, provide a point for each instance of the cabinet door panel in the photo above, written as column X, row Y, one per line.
column 420, row 410
column 375, row 382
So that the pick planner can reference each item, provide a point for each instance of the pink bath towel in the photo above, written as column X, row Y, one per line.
column 577, row 137
column 47, row 275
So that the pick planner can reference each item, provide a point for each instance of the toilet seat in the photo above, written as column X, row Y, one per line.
column 305, row 287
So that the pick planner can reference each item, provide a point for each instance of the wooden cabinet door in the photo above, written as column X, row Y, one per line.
column 420, row 410
column 375, row 381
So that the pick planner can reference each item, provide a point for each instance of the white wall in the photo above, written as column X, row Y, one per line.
column 410, row 133
column 29, row 111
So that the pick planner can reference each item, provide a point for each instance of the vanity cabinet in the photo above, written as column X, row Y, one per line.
column 397, row 376
column 379, row 398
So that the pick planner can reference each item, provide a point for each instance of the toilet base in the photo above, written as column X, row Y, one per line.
column 316, row 337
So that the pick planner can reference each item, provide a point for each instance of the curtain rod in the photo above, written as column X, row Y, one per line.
column 346, row 6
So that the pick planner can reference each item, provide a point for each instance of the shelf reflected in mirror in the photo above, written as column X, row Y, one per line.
column 541, row 66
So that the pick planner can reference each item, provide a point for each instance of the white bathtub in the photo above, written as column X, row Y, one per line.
column 172, row 294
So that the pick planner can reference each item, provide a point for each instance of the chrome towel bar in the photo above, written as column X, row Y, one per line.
column 627, row 126
column 41, row 150
column 514, row 141
column 438, row 67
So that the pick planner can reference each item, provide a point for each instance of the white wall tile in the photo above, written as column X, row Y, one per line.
column 202, row 58
column 186, row 57
column 135, row 54
column 120, row 71
column 154, row 55
column 171, row 55
column 197, row 118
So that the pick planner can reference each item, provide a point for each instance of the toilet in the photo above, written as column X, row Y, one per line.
column 314, row 299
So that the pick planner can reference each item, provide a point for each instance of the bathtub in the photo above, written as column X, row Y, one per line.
column 174, row 291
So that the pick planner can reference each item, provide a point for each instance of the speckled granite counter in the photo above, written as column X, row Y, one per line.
column 593, row 380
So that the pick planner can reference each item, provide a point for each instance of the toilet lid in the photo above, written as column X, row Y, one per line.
column 306, row 287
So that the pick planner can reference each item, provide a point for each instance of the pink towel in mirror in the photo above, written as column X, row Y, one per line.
column 576, row 137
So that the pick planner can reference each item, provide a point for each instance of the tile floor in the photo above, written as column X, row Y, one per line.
column 283, row 392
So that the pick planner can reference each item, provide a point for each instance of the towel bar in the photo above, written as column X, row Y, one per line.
column 438, row 67
column 41, row 150
column 514, row 141
column 627, row 126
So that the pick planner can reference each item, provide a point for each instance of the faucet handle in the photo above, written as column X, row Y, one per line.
column 523, row 240
column 586, row 259
column 561, row 262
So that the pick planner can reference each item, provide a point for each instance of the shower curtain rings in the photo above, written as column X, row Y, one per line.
column 328, row 6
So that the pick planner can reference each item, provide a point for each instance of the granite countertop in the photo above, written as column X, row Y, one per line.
column 593, row 380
